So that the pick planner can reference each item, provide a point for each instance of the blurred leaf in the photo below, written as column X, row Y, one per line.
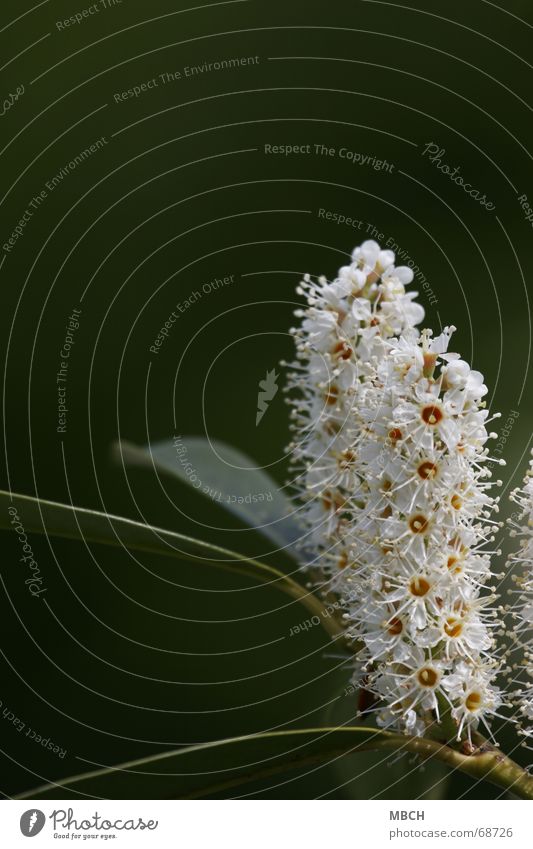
column 51, row 518
column 229, row 478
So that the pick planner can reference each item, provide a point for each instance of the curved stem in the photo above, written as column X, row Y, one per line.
column 328, row 743
column 490, row 765
column 486, row 763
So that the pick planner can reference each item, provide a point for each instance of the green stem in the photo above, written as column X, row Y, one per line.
column 493, row 765
column 487, row 763
column 178, row 771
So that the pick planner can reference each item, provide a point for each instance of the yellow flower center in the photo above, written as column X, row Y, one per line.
column 453, row 627
column 473, row 701
column 419, row 586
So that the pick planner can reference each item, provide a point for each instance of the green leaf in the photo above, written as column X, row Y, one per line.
column 51, row 518
column 226, row 476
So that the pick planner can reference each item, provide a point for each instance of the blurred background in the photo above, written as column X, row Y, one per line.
column 191, row 190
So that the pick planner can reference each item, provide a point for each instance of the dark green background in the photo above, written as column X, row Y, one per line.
column 148, row 220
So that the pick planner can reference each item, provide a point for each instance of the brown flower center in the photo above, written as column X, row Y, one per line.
column 453, row 566
column 456, row 501
column 347, row 458
column 431, row 414
column 342, row 350
column 332, row 395
column 395, row 434
column 427, row 470
column 418, row 523
column 427, row 677
column 419, row 586
column 342, row 561
column 395, row 627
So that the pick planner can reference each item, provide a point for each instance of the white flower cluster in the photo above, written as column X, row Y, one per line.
column 342, row 332
column 522, row 527
column 418, row 561
column 391, row 450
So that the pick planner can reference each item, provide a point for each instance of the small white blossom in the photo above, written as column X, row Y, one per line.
column 342, row 331
column 390, row 461
column 419, row 542
column 522, row 528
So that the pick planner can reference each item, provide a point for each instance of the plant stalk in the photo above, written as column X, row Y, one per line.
column 486, row 763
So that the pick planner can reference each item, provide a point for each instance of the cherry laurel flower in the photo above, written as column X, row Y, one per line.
column 390, row 462
column 522, row 528
column 342, row 331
